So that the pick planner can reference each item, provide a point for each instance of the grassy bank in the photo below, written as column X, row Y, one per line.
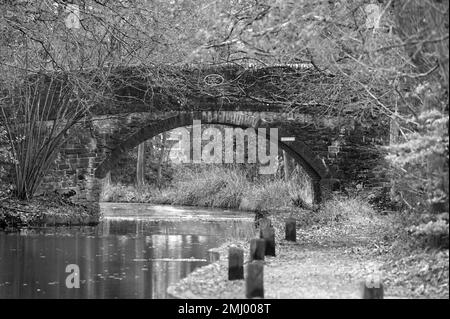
column 218, row 187
column 348, row 233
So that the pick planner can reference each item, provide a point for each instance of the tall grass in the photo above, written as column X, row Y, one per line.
column 214, row 186
column 349, row 209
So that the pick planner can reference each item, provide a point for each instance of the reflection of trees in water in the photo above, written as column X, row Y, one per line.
column 116, row 259
column 225, row 228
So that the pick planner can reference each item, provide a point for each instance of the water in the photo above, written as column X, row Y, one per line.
column 137, row 251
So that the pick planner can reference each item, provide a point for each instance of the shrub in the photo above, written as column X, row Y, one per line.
column 339, row 208
column 433, row 233
column 420, row 164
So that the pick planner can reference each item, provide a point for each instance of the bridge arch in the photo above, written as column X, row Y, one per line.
column 299, row 151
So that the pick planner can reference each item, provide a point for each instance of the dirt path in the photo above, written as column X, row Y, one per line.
column 302, row 272
column 296, row 272
column 317, row 266
column 326, row 262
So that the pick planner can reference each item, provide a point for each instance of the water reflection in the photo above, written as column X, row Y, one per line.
column 120, row 258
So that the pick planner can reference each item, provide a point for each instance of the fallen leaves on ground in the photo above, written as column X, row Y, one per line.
column 327, row 261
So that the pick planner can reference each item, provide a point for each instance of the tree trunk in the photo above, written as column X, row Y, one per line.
column 161, row 159
column 140, row 165
column 287, row 160
column 107, row 180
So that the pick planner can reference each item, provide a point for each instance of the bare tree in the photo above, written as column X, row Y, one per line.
column 140, row 166
column 162, row 156
column 58, row 60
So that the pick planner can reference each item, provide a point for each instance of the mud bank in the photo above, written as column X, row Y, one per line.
column 46, row 211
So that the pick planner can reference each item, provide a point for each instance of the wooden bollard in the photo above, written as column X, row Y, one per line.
column 372, row 288
column 235, row 263
column 254, row 284
column 212, row 256
column 267, row 233
column 257, row 249
column 291, row 232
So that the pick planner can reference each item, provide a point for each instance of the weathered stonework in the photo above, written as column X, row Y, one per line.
column 333, row 152
column 332, row 146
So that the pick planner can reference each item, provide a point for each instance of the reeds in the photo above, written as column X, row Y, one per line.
column 37, row 113
column 214, row 186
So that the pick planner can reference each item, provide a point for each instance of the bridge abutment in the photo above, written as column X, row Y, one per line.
column 334, row 155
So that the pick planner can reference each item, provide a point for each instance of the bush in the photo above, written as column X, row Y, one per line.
column 420, row 164
column 124, row 193
column 338, row 209
column 432, row 234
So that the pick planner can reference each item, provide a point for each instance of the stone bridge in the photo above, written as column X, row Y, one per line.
column 333, row 147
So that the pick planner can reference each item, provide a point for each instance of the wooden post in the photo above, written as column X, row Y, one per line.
column 254, row 284
column 267, row 233
column 235, row 263
column 212, row 256
column 291, row 234
column 372, row 288
column 257, row 249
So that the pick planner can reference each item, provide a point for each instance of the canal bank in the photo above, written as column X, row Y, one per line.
column 326, row 262
column 46, row 211
column 156, row 251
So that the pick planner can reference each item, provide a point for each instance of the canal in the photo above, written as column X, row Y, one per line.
column 137, row 251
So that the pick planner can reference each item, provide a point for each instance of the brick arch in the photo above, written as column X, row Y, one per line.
column 298, row 150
